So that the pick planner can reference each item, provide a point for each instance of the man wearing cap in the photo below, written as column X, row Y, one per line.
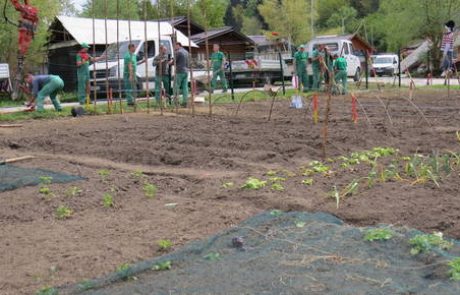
column 83, row 60
column 218, row 62
column 340, row 69
column 447, row 47
column 300, row 65
column 42, row 86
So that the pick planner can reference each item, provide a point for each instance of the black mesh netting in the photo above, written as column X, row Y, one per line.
column 290, row 253
column 12, row 177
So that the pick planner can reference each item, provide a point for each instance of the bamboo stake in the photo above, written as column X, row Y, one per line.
column 160, row 79
column 118, row 58
column 174, row 39
column 190, row 55
column 94, row 64
column 109, row 106
column 146, row 52
column 206, row 42
column 13, row 160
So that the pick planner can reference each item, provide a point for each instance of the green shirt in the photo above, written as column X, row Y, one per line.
column 300, row 60
column 217, row 58
column 130, row 58
column 315, row 63
column 340, row 64
column 83, row 69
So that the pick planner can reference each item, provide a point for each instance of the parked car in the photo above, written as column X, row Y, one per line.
column 385, row 64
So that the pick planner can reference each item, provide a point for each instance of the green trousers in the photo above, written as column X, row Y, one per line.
column 302, row 80
column 182, row 85
column 82, row 80
column 219, row 73
column 50, row 89
column 342, row 76
column 130, row 87
column 158, row 81
column 317, row 79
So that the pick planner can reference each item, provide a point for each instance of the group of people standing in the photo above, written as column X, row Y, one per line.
column 324, row 66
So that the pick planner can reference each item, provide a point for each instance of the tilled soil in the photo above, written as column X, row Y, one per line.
column 189, row 159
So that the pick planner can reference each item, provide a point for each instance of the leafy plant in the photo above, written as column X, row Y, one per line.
column 277, row 179
column 213, row 256
column 165, row 265
column 124, row 271
column 277, row 187
column 138, row 175
column 454, row 264
column 46, row 179
column 150, row 190
column 300, row 224
column 44, row 188
column 165, row 245
column 73, row 191
column 318, row 167
column 307, row 181
column 104, row 174
column 336, row 195
column 107, row 200
column 425, row 242
column 271, row 173
column 254, row 183
column 46, row 290
column 351, row 188
column 276, row 213
column 378, row 234
column 228, row 184
column 86, row 285
column 63, row 212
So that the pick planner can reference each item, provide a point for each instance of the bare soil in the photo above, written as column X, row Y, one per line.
column 189, row 158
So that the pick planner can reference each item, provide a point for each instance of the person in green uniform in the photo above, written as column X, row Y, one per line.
column 181, row 83
column 218, row 62
column 83, row 60
column 129, row 74
column 161, row 64
column 329, row 63
column 300, row 65
column 42, row 86
column 340, row 69
column 316, row 59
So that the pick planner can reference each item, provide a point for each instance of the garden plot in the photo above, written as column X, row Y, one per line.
column 152, row 179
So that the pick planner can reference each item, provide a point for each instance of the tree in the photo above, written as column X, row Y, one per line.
column 209, row 13
column 343, row 17
column 289, row 18
column 128, row 9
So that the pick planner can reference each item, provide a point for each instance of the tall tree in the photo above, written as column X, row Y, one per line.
column 289, row 18
column 209, row 13
column 129, row 9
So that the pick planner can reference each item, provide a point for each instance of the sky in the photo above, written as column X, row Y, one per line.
column 79, row 3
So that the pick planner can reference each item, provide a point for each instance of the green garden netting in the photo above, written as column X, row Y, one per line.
column 287, row 253
column 13, row 177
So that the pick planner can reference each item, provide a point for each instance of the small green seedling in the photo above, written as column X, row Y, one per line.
column 165, row 245
column 253, row 183
column 336, row 195
column 124, row 271
column 276, row 213
column 378, row 234
column 104, row 174
column 271, row 173
column 46, row 290
column 46, row 179
column 277, row 187
column 86, row 285
column 228, row 184
column 424, row 243
column 300, row 224
column 63, row 212
column 45, row 190
column 73, row 191
column 138, row 175
column 308, row 181
column 150, row 190
column 165, row 265
column 213, row 256
column 277, row 179
column 107, row 200
column 454, row 270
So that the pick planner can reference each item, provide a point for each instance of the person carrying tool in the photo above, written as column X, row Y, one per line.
column 300, row 65
column 447, row 48
column 181, row 82
column 42, row 86
column 218, row 62
column 340, row 70
column 317, row 59
column 83, row 59
column 161, row 62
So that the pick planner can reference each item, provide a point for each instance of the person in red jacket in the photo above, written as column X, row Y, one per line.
column 27, row 24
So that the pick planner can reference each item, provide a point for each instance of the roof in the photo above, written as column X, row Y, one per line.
column 260, row 40
column 332, row 38
column 81, row 30
column 214, row 33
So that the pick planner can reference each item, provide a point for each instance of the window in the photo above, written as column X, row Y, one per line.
column 345, row 49
column 150, row 50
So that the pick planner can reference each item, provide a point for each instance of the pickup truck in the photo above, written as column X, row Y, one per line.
column 258, row 71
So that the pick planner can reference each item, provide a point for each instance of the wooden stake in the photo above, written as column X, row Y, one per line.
column 12, row 160
column 11, row 126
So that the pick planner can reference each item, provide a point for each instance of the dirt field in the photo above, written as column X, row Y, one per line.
column 189, row 159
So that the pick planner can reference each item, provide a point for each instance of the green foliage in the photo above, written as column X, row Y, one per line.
column 124, row 271
column 253, row 183
column 209, row 13
column 165, row 265
column 276, row 213
column 46, row 179
column 63, row 212
column 107, row 200
column 276, row 179
column 104, row 174
column 454, row 270
column 213, row 256
column 425, row 242
column 85, row 285
column 73, row 191
column 150, row 190
column 277, row 187
column 138, row 175
column 378, row 234
column 45, row 190
column 128, row 9
column 307, row 181
column 46, row 290
column 165, row 245
column 228, row 184
column 336, row 195
column 300, row 224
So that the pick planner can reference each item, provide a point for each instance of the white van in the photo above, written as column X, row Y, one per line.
column 115, row 65
column 385, row 64
column 342, row 47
